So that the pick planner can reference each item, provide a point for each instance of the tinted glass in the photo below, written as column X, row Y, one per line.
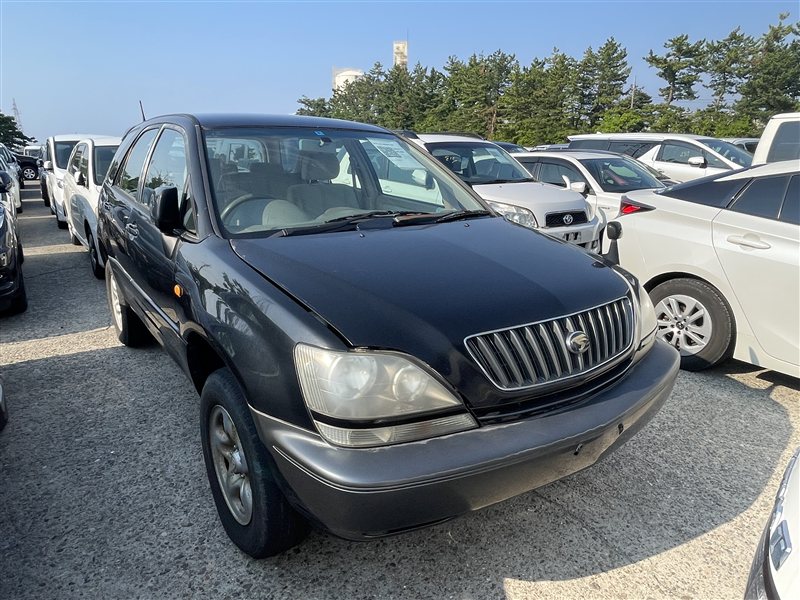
column 63, row 150
column 619, row 175
column 763, row 197
column 76, row 159
column 678, row 153
column 786, row 145
column 312, row 177
column 478, row 162
column 790, row 213
column 129, row 175
column 591, row 144
column 727, row 150
column 631, row 148
column 707, row 190
column 103, row 155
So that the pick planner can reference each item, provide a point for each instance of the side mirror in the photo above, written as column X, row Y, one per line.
column 165, row 209
column 80, row 179
column 614, row 230
column 39, row 163
column 48, row 165
column 698, row 161
column 579, row 186
column 6, row 183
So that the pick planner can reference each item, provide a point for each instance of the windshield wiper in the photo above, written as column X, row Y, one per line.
column 374, row 213
column 345, row 223
column 463, row 214
column 496, row 181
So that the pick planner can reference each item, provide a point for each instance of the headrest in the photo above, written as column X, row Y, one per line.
column 316, row 166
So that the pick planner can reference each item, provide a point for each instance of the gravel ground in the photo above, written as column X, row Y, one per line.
column 103, row 492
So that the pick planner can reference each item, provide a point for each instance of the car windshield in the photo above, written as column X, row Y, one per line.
column 727, row 150
column 478, row 162
column 103, row 155
column 63, row 150
column 271, row 180
column 619, row 175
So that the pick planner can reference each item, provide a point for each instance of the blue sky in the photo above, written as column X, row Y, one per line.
column 83, row 66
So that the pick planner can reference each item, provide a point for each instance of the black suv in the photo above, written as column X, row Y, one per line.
column 374, row 348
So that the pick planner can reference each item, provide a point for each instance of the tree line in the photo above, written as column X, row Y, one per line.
column 743, row 79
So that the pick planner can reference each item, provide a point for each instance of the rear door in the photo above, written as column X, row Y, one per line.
column 757, row 240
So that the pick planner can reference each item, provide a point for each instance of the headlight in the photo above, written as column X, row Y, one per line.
column 515, row 214
column 367, row 389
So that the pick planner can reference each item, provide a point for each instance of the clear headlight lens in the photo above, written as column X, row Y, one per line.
column 374, row 386
column 647, row 316
column 515, row 214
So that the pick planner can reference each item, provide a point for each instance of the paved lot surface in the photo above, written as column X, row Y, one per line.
column 103, row 492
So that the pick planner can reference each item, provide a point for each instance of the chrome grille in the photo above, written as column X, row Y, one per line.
column 537, row 354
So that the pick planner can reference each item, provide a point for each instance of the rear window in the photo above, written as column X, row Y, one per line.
column 589, row 144
column 63, row 150
column 786, row 144
column 763, row 197
column 708, row 191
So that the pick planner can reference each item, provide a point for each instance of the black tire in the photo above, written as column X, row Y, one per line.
column 94, row 259
column 45, row 195
column 21, row 207
column 130, row 329
column 3, row 412
column 29, row 174
column 74, row 239
column 274, row 526
column 61, row 224
column 720, row 344
column 19, row 304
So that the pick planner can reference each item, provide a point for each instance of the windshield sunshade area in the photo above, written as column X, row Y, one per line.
column 479, row 163
column 729, row 151
column 277, row 180
column 620, row 175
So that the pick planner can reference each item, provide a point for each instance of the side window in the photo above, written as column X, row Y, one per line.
column 128, row 178
column 786, row 144
column 76, row 159
column 672, row 152
column 713, row 161
column 530, row 165
column 762, row 198
column 554, row 173
column 634, row 149
column 83, row 163
column 167, row 166
column 590, row 144
column 790, row 211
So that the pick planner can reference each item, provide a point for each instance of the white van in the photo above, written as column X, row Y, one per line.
column 679, row 156
column 57, row 150
column 780, row 140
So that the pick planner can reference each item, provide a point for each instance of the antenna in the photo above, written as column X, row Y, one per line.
column 141, row 108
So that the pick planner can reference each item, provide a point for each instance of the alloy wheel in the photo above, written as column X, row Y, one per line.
column 684, row 322
column 116, row 306
column 29, row 173
column 230, row 465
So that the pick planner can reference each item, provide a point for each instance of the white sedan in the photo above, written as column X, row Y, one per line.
column 720, row 257
column 86, row 168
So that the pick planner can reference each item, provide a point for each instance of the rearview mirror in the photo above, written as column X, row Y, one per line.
column 165, row 209
column 697, row 161
column 48, row 165
column 578, row 186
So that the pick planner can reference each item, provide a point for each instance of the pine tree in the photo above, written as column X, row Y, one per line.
column 680, row 67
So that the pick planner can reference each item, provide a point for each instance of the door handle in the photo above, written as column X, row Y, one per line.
column 749, row 240
column 132, row 229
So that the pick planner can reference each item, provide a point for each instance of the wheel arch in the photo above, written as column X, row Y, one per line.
column 202, row 359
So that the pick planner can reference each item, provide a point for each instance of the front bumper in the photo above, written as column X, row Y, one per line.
column 585, row 235
column 366, row 493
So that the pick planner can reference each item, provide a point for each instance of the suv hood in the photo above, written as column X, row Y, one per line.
column 423, row 289
column 539, row 198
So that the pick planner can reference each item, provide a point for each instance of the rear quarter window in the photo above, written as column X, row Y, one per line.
column 786, row 143
column 589, row 144
column 708, row 191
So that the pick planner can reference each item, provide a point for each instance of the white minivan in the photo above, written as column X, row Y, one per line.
column 681, row 157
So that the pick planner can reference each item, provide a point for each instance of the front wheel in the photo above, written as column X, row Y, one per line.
column 694, row 318
column 252, row 508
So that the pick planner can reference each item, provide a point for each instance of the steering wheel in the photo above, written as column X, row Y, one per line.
column 239, row 201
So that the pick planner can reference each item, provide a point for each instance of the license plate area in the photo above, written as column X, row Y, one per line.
column 572, row 236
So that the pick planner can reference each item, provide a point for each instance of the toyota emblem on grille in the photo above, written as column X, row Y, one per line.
column 568, row 219
column 577, row 342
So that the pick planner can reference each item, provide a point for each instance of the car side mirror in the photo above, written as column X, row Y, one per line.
column 614, row 230
column 6, row 183
column 579, row 186
column 165, row 209
column 48, row 165
column 698, row 161
column 39, row 163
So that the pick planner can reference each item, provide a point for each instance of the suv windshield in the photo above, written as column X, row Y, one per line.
column 63, row 150
column 618, row 174
column 268, row 180
column 729, row 151
column 103, row 155
column 478, row 162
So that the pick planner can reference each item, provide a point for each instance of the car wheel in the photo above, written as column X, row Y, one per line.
column 21, row 207
column 45, row 195
column 61, row 224
column 19, row 304
column 129, row 327
column 252, row 508
column 3, row 411
column 29, row 173
column 94, row 258
column 694, row 318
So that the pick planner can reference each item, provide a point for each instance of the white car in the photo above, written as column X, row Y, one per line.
column 721, row 260
column 511, row 191
column 780, row 140
column 83, row 180
column 775, row 574
column 605, row 176
column 747, row 143
column 15, row 194
column 681, row 157
column 57, row 150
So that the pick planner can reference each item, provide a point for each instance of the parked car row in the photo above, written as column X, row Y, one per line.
column 13, row 298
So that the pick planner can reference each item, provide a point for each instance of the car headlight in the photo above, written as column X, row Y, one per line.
column 515, row 214
column 355, row 396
